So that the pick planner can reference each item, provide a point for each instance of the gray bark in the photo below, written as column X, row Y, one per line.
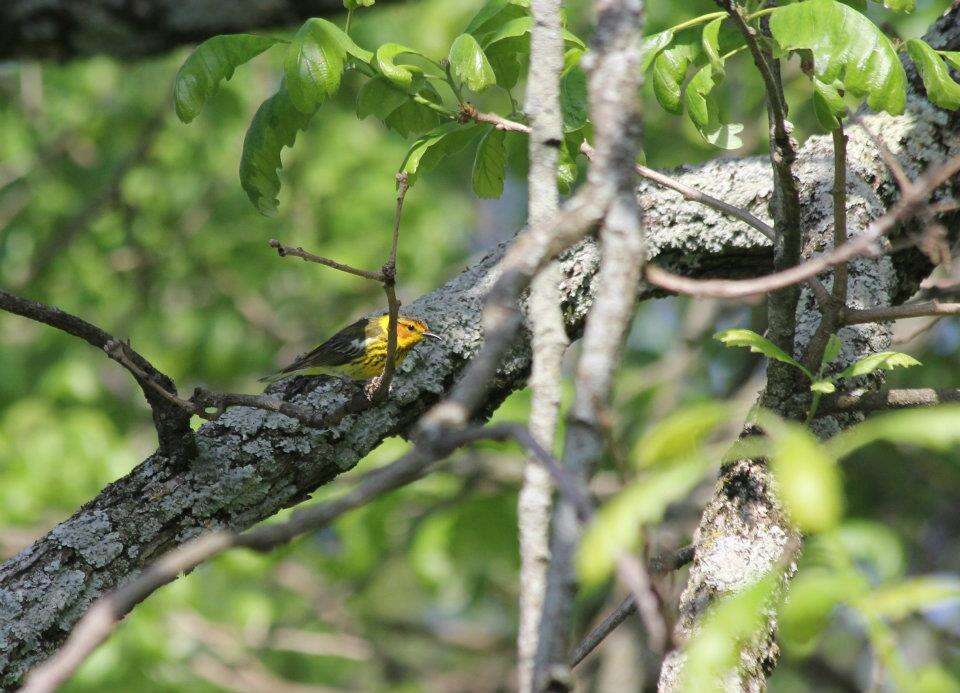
column 251, row 463
column 548, row 339
column 63, row 29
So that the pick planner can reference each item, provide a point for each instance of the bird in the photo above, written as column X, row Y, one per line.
column 358, row 351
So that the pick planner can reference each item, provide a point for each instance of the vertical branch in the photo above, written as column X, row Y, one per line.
column 785, row 203
column 832, row 315
column 840, row 212
column 388, row 275
column 613, row 87
column 549, row 337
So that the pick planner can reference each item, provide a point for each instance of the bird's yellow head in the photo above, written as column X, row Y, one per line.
column 409, row 330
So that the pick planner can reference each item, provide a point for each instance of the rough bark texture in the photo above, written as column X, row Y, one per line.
column 64, row 29
column 548, row 334
column 743, row 532
column 252, row 463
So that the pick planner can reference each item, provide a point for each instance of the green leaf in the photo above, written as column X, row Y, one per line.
column 824, row 387
column 937, row 428
column 941, row 89
column 846, row 46
column 521, row 26
column 412, row 119
column 347, row 43
column 615, row 529
column 432, row 147
column 900, row 5
column 573, row 99
column 738, row 337
column 714, row 652
column 705, row 113
column 274, row 126
column 470, row 65
column 813, row 596
column 670, row 69
column 711, row 46
column 828, row 105
column 680, row 435
column 900, row 600
column 832, row 350
column 567, row 170
column 213, row 60
column 807, row 478
column 651, row 47
column 313, row 65
column 379, row 98
column 885, row 360
column 952, row 57
column 517, row 145
column 505, row 64
column 489, row 168
column 493, row 15
column 384, row 62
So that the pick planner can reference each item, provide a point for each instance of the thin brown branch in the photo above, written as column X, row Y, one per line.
column 918, row 309
column 291, row 251
column 659, row 565
column 832, row 310
column 388, row 274
column 170, row 419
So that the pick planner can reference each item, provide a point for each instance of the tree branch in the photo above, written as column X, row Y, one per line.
column 170, row 419
column 548, row 334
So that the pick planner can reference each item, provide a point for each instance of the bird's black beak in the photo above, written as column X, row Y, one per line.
column 431, row 335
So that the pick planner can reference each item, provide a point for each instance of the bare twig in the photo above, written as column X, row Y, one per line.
column 548, row 334
column 916, row 309
column 170, row 419
column 388, row 274
column 659, row 565
column 831, row 312
column 899, row 175
column 291, row 251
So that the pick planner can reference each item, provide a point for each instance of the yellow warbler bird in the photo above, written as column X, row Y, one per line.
column 358, row 351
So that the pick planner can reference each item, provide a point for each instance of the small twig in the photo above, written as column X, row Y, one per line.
column 388, row 274
column 918, row 309
column 659, row 565
column 832, row 311
column 287, row 250
column 171, row 420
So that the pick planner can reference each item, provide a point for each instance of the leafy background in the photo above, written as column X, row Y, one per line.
column 114, row 210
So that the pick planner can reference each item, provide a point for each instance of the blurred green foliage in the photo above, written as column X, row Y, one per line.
column 112, row 209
